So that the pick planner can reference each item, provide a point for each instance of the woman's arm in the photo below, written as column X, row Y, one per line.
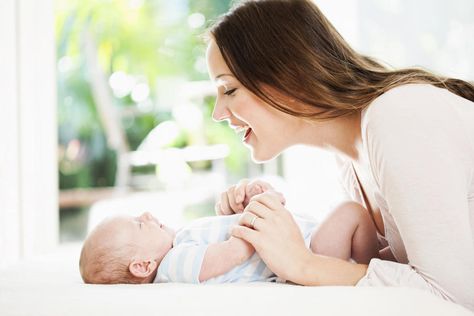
column 279, row 242
column 421, row 158
column 321, row 270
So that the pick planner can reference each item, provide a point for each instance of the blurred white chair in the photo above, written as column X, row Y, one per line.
column 167, row 206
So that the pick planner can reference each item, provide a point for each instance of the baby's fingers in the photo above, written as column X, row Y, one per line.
column 224, row 205
column 234, row 205
column 239, row 191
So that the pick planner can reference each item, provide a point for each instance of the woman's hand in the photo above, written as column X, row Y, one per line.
column 237, row 197
column 271, row 229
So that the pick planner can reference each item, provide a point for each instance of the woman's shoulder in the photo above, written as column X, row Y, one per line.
column 407, row 103
column 409, row 97
column 410, row 89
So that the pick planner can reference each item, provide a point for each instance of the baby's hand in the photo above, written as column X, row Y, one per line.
column 238, row 196
column 253, row 188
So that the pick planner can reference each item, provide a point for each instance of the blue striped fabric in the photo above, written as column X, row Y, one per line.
column 183, row 262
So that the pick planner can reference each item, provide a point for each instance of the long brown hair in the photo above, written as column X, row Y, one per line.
column 289, row 47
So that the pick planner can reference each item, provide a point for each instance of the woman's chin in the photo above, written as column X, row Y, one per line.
column 262, row 157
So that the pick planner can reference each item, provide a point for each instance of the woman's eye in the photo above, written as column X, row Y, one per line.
column 230, row 92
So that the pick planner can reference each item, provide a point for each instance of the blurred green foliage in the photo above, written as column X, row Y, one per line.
column 143, row 39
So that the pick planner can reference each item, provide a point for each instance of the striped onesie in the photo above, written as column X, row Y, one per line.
column 183, row 262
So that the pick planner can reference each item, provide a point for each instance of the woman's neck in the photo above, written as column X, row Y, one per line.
column 341, row 135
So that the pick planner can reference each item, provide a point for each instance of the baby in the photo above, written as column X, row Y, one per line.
column 126, row 249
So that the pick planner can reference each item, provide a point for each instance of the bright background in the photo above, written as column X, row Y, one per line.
column 116, row 115
column 151, row 58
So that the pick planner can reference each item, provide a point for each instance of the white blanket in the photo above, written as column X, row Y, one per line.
column 51, row 285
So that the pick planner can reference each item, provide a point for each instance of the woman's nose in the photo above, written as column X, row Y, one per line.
column 221, row 112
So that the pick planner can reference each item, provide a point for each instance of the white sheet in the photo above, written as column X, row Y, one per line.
column 51, row 285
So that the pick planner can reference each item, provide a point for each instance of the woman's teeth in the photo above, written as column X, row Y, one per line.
column 241, row 129
column 245, row 130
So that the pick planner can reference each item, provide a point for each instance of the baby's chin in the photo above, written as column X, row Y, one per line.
column 169, row 230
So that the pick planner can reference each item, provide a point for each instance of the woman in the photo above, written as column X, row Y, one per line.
column 285, row 76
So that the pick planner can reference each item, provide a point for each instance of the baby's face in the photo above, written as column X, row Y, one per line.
column 154, row 238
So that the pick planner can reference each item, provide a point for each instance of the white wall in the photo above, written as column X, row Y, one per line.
column 28, row 130
column 311, row 174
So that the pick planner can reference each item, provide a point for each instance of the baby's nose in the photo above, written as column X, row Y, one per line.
column 146, row 216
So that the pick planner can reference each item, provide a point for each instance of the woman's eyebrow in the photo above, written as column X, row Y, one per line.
column 222, row 75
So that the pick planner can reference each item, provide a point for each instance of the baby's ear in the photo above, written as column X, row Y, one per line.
column 142, row 268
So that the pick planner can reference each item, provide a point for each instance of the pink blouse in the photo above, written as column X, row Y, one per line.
column 419, row 145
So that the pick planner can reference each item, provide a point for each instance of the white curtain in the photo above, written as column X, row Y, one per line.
column 28, row 130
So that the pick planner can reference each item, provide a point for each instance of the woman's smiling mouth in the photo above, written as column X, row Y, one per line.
column 246, row 130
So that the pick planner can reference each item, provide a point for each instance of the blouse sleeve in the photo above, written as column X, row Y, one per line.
column 346, row 183
column 421, row 159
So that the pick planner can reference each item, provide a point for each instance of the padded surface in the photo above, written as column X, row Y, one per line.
column 51, row 285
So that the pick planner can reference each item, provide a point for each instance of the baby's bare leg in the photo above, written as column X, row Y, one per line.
column 348, row 232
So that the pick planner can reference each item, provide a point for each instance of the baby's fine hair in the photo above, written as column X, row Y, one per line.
column 106, row 263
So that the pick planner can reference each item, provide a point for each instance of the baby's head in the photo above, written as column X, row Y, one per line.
column 125, row 249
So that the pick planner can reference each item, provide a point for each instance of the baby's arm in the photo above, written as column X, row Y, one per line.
column 222, row 257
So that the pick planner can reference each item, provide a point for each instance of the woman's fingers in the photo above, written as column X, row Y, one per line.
column 271, row 199
column 247, row 234
column 278, row 240
column 251, row 220
column 273, row 232
column 258, row 212
column 258, row 209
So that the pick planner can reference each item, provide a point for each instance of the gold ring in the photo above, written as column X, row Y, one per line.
column 252, row 222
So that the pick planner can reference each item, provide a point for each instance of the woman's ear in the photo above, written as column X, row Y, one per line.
column 142, row 268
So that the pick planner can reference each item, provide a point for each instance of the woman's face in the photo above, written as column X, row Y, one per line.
column 265, row 130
